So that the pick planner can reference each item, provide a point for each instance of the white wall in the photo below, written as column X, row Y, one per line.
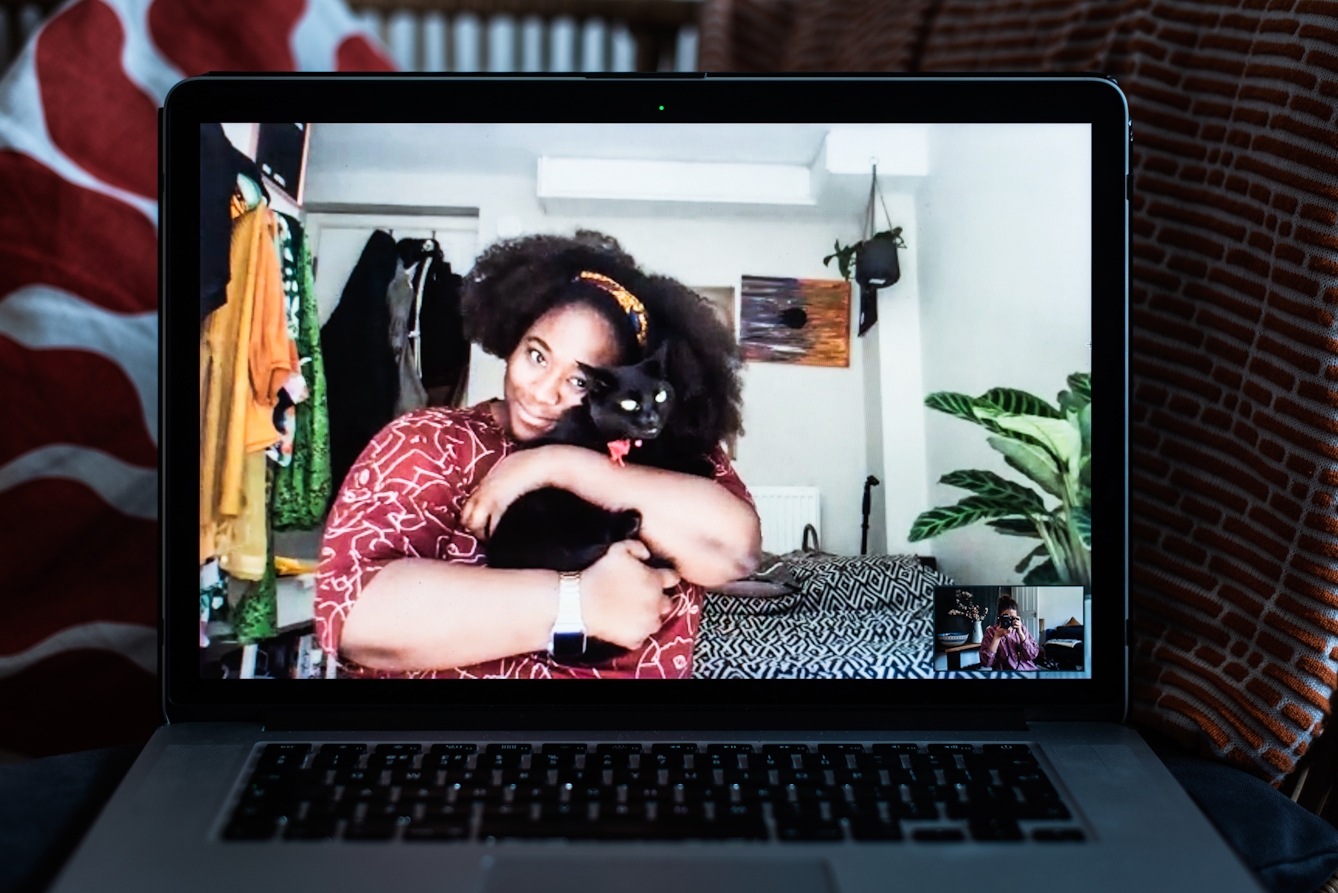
column 1004, row 275
column 805, row 426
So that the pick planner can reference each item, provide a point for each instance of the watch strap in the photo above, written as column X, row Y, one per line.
column 568, row 636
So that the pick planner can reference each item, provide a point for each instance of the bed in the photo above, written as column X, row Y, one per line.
column 807, row 615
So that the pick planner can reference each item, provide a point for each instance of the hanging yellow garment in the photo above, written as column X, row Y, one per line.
column 245, row 357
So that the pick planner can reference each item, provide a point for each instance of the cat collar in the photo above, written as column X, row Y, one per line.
column 620, row 448
column 635, row 310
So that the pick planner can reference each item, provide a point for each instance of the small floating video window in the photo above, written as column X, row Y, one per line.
column 1021, row 629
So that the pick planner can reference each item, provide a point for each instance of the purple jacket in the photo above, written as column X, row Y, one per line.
column 1011, row 654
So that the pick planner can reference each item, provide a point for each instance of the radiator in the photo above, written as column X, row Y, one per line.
column 784, row 511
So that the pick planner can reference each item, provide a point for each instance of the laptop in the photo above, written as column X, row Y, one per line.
column 913, row 673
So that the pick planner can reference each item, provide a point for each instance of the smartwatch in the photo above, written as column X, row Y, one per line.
column 568, row 636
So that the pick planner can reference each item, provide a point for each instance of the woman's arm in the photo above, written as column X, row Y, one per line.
column 1028, row 647
column 711, row 535
column 423, row 614
column 989, row 645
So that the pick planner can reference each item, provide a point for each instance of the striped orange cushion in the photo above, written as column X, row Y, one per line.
column 1235, row 282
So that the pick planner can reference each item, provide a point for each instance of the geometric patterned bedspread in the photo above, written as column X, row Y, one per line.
column 845, row 617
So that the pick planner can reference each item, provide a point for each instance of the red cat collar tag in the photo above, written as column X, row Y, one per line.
column 620, row 448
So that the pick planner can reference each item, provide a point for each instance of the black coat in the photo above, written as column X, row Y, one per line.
column 361, row 375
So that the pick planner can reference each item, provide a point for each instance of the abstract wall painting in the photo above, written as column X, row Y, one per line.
column 800, row 321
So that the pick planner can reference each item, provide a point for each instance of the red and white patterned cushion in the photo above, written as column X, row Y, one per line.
column 79, row 341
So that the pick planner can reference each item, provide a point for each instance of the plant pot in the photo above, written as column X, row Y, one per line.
column 977, row 634
column 876, row 262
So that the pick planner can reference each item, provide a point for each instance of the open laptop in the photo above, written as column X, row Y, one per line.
column 845, row 719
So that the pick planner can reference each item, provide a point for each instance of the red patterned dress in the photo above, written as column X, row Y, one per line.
column 403, row 498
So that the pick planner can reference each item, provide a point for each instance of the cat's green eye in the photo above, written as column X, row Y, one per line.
column 628, row 405
column 661, row 397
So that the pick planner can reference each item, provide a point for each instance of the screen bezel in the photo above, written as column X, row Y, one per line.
column 404, row 98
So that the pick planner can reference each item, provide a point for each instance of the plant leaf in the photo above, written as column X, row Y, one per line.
column 1060, row 436
column 1080, row 383
column 940, row 520
column 954, row 404
column 989, row 484
column 1032, row 461
column 1015, row 527
column 1010, row 401
column 1082, row 519
column 1035, row 553
column 1043, row 575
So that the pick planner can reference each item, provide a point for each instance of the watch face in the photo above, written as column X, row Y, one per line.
column 568, row 644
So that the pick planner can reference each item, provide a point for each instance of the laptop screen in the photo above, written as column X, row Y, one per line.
column 646, row 401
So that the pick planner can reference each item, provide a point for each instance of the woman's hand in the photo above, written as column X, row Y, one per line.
column 622, row 598
column 510, row 479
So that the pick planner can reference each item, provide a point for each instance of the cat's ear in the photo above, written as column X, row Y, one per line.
column 660, row 357
column 598, row 381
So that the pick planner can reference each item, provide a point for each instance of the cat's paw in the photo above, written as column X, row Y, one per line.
column 626, row 525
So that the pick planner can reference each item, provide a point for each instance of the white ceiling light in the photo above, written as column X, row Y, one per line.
column 674, row 181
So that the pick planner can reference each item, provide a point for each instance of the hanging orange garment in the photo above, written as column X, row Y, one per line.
column 245, row 348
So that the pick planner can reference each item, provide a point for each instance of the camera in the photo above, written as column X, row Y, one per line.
column 1006, row 621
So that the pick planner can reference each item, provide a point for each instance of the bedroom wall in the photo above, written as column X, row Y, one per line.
column 805, row 426
column 1004, row 296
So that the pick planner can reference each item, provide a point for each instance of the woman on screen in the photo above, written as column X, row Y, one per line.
column 403, row 588
column 1007, row 645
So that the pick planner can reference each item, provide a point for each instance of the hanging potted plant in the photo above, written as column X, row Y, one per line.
column 1052, row 446
column 873, row 259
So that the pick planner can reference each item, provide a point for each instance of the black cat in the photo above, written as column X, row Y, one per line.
column 625, row 413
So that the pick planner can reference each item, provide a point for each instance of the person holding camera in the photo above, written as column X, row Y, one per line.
column 1007, row 645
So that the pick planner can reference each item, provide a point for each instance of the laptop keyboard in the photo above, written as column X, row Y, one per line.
column 939, row 793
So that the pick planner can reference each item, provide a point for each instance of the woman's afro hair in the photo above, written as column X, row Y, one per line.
column 517, row 281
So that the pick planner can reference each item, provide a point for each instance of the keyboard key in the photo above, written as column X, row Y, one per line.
column 729, row 748
column 939, row 747
column 399, row 748
column 785, row 748
column 357, row 777
column 938, row 835
column 874, row 829
column 995, row 829
column 392, row 759
column 454, row 749
column 896, row 748
column 519, row 747
column 1043, row 811
column 1058, row 835
column 1007, row 749
column 340, row 747
column 277, row 749
column 675, row 747
column 791, row 830
column 840, row 748
column 337, row 759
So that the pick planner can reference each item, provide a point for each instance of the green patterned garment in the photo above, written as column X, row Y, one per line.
column 302, row 489
column 256, row 616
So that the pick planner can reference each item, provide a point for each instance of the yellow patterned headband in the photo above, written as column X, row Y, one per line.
column 626, row 300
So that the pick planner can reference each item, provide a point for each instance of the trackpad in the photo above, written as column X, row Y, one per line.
column 600, row 874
